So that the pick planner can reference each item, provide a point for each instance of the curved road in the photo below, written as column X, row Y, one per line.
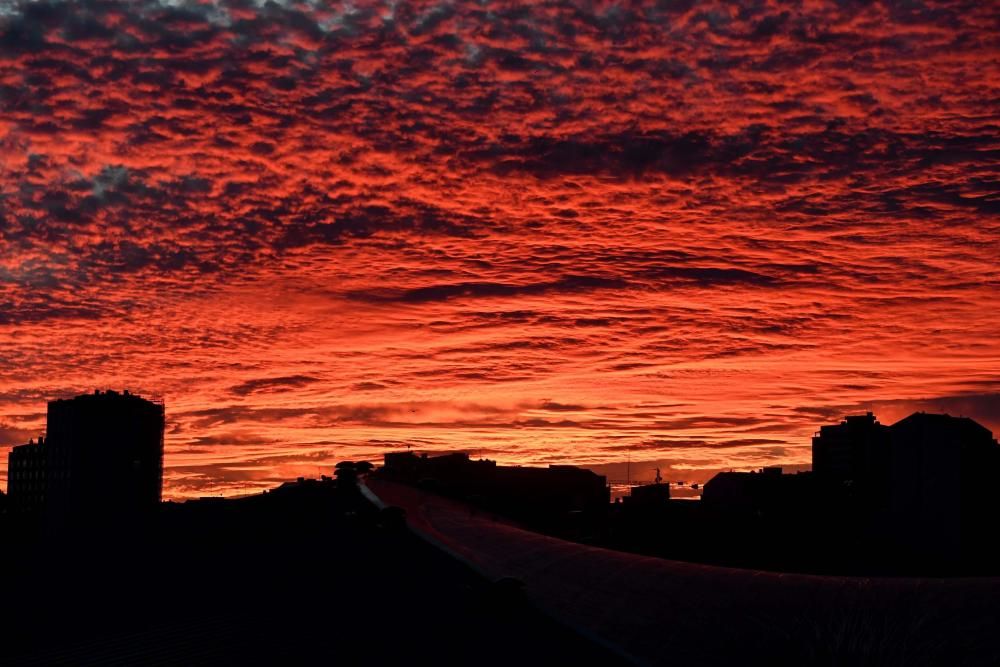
column 657, row 611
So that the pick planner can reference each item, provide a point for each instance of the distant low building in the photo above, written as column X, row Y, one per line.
column 514, row 489
column 765, row 492
column 648, row 495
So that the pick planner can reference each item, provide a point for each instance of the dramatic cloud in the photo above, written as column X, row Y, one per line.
column 552, row 231
column 273, row 384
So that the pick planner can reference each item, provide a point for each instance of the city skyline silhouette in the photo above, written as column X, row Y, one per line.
column 492, row 332
column 866, row 534
column 913, row 496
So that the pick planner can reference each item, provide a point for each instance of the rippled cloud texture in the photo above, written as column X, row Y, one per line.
column 684, row 232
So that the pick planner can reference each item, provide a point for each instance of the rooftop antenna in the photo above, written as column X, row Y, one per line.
column 628, row 470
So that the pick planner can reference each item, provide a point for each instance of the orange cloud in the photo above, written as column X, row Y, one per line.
column 693, row 231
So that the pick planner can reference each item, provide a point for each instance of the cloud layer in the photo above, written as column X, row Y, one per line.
column 550, row 232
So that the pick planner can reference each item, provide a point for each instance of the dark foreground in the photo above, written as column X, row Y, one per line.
column 663, row 612
column 305, row 575
column 316, row 573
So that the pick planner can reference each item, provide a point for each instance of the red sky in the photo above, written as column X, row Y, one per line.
column 689, row 233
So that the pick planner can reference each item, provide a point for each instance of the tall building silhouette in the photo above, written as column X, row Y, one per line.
column 942, row 483
column 918, row 493
column 102, row 456
column 853, row 458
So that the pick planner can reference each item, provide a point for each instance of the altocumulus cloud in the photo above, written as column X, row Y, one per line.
column 773, row 214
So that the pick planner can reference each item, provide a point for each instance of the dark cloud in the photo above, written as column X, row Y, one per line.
column 984, row 408
column 479, row 290
column 13, row 435
column 553, row 406
column 666, row 444
column 624, row 155
column 273, row 385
